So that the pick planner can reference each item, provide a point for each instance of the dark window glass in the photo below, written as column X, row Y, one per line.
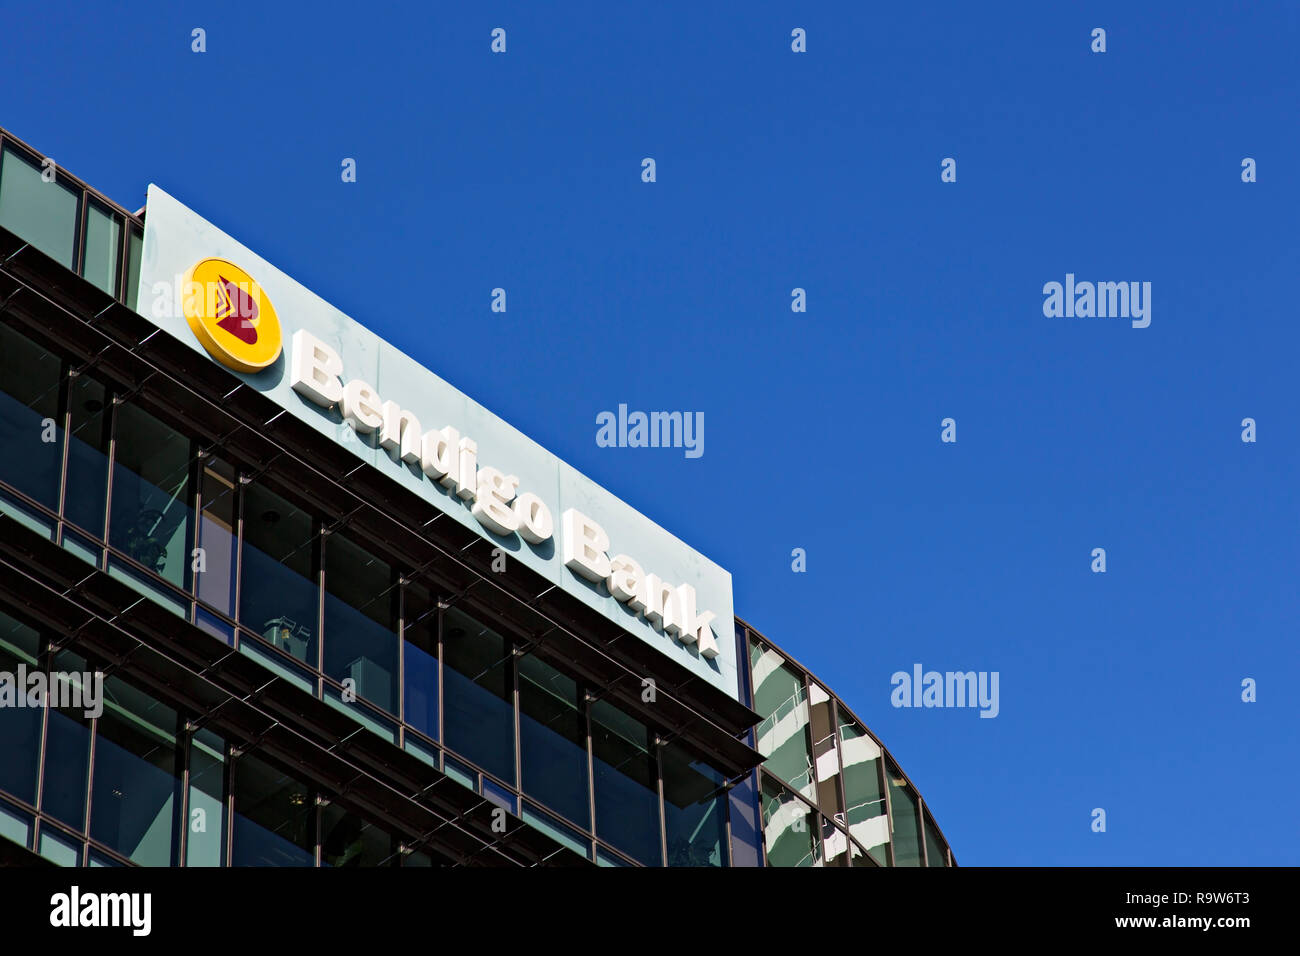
column 103, row 238
column 87, row 455
column 20, row 727
column 904, row 823
column 479, row 708
column 553, row 740
column 347, row 840
column 206, row 843
column 627, row 797
column 695, row 810
column 67, row 756
column 278, row 591
column 214, row 583
column 43, row 213
column 420, row 667
column 31, row 434
column 275, row 817
column 789, row 828
column 135, row 804
column 361, row 621
column 152, row 516
column 746, row 838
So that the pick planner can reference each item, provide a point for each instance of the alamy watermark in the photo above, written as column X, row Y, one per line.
column 947, row 689
column 1103, row 300
column 653, row 430
column 69, row 690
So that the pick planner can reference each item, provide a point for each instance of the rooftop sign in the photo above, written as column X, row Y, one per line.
column 325, row 368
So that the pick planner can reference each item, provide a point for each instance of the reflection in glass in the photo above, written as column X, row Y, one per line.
column 20, row 727
column 30, row 429
column 151, row 518
column 479, row 709
column 789, row 828
column 348, row 840
column 275, row 817
column 781, row 699
column 278, row 591
column 627, row 797
column 746, row 837
column 553, row 738
column 215, row 586
column 136, row 795
column 935, row 854
column 826, row 757
column 99, row 262
column 361, row 602
column 867, row 820
column 206, row 840
column 695, row 810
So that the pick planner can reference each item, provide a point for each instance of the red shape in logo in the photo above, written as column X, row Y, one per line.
column 237, row 311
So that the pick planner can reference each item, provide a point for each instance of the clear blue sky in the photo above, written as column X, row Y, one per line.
column 775, row 170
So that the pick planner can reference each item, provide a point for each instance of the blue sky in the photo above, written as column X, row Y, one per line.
column 821, row 170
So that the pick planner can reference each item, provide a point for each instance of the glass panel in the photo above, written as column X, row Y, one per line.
column 43, row 213
column 215, row 579
column 789, row 833
column 866, row 816
column 781, row 699
column 87, row 455
column 15, row 825
column 136, row 795
column 557, row 831
column 904, row 824
column 361, row 622
column 745, row 834
column 20, row 723
column 275, row 817
column 553, row 738
column 826, row 756
column 627, row 795
column 135, row 248
column 278, row 595
column 30, row 432
column 835, row 843
column 936, row 855
column 151, row 519
column 60, row 849
column 99, row 263
column 420, row 667
column 480, row 694
column 67, row 755
column 695, row 809
column 206, row 842
column 347, row 840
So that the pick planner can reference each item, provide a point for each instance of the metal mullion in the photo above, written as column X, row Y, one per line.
column 920, row 812
column 114, row 403
column 319, row 558
column 228, row 803
column 883, row 777
column 513, row 657
column 65, row 405
column 591, row 766
column 442, row 736
column 239, row 552
column 402, row 585
column 663, row 817
column 184, row 756
column 196, row 512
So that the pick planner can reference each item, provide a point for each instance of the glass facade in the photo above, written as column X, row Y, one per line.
column 122, row 479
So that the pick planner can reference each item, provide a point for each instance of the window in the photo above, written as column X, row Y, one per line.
column 904, row 823
column 87, row 491
column 695, row 810
column 420, row 665
column 214, row 583
column 781, row 699
column 135, row 248
column 278, row 591
column 135, row 804
column 866, row 816
column 553, row 740
column 99, row 257
column 151, row 518
column 43, row 213
column 30, row 430
column 479, row 708
column 67, row 755
column 275, row 817
column 205, row 842
column 347, row 840
column 627, row 795
column 20, row 726
column 935, row 852
column 745, row 834
column 789, row 827
column 361, row 601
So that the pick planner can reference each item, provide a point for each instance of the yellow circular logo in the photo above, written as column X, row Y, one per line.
column 231, row 316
